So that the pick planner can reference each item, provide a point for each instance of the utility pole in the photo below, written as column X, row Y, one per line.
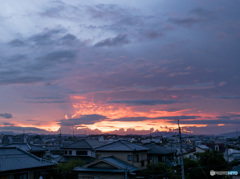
column 60, row 134
column 181, row 152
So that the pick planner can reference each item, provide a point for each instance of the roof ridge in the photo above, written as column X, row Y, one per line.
column 29, row 146
column 131, row 147
column 106, row 144
column 34, row 156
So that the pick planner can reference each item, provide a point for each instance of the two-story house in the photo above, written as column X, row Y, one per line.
column 82, row 149
column 158, row 153
column 131, row 153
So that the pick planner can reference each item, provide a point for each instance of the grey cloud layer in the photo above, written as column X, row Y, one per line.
column 144, row 102
column 6, row 115
column 163, row 118
column 86, row 119
column 125, row 54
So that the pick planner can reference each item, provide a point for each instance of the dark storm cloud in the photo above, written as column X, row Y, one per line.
column 140, row 102
column 163, row 118
column 6, row 115
column 132, row 119
column 57, row 37
column 178, row 117
column 86, row 119
column 36, row 58
column 120, row 39
column 46, row 99
column 195, row 16
column 8, row 124
column 45, row 38
column 199, row 11
column 233, row 116
column 60, row 56
column 16, row 43
column 110, row 12
column 188, row 21
column 197, row 86
column 218, row 121
column 228, row 97
column 56, row 101
column 230, row 119
column 124, row 20
column 18, row 128
column 19, row 79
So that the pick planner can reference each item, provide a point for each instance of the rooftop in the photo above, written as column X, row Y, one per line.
column 121, row 146
column 115, row 165
column 12, row 158
column 84, row 144
column 157, row 149
column 26, row 147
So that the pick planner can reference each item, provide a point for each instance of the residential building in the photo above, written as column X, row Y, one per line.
column 16, row 163
column 158, row 153
column 33, row 149
column 131, row 153
column 83, row 149
column 106, row 168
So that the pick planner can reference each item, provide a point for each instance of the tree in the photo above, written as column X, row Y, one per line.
column 212, row 160
column 192, row 169
column 65, row 170
column 158, row 170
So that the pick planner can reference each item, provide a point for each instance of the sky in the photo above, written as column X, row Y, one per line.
column 120, row 67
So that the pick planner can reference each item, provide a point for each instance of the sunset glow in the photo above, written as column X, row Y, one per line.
column 119, row 67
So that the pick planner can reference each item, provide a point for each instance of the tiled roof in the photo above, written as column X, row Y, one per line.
column 156, row 149
column 119, row 163
column 84, row 144
column 16, row 159
column 26, row 147
column 119, row 166
column 121, row 146
column 203, row 147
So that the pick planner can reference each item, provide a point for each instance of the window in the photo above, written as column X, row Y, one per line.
column 99, row 156
column 21, row 176
column 70, row 152
column 136, row 158
column 82, row 152
column 129, row 157
column 66, row 152
column 142, row 163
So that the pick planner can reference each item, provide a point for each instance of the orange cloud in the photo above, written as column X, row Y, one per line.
column 88, row 105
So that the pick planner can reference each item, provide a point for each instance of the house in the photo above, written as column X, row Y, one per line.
column 131, row 153
column 202, row 148
column 33, row 149
column 231, row 155
column 190, row 154
column 82, row 149
column 158, row 153
column 9, row 139
column 216, row 146
column 17, row 163
column 106, row 168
